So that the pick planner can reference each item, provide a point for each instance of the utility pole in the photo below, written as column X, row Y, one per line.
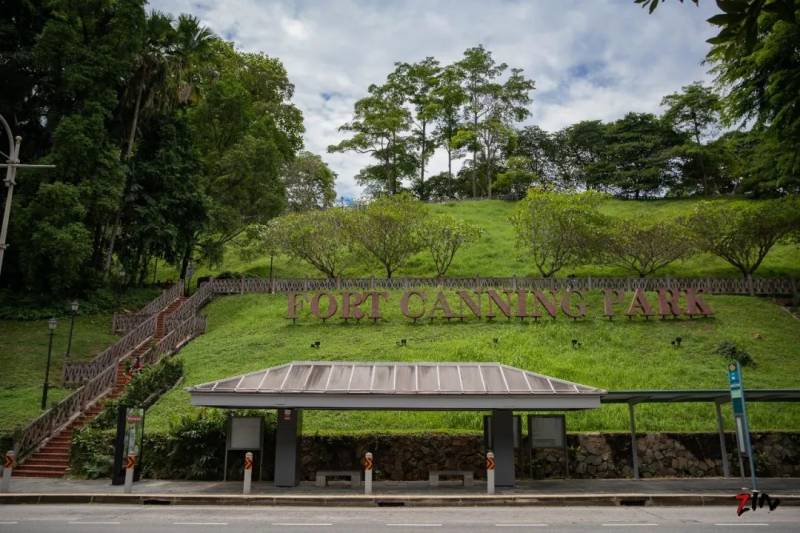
column 12, row 164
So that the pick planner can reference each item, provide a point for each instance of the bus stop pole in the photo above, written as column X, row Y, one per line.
column 726, row 467
column 634, row 451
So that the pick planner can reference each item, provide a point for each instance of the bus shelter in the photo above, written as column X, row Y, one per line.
column 297, row 386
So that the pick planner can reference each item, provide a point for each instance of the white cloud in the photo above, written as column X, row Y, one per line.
column 593, row 59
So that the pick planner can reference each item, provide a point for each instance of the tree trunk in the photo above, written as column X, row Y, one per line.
column 128, row 154
column 422, row 164
column 449, row 170
column 187, row 255
column 489, row 175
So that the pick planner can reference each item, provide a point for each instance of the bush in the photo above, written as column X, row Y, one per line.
column 730, row 351
column 92, row 453
column 17, row 306
column 148, row 382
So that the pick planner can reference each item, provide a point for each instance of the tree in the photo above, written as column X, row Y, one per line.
column 378, row 128
column 444, row 236
column 695, row 111
column 318, row 237
column 637, row 156
column 417, row 83
column 309, row 183
column 743, row 233
column 491, row 107
column 558, row 229
column 388, row 229
column 644, row 248
column 448, row 97
column 518, row 177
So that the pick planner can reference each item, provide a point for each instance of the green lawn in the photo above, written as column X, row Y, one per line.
column 496, row 255
column 249, row 332
column 23, row 358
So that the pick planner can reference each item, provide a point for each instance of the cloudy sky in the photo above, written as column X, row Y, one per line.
column 590, row 59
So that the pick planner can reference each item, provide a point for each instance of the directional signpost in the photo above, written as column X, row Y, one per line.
column 740, row 416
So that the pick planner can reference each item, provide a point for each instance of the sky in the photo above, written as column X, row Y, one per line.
column 590, row 59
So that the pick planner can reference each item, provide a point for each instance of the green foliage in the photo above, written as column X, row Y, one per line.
column 24, row 306
column 557, row 230
column 92, row 452
column 309, row 183
column 387, row 230
column 644, row 248
column 443, row 236
column 320, row 238
column 743, row 233
column 731, row 352
column 142, row 391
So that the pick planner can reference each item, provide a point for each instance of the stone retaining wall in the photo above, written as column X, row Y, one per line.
column 591, row 455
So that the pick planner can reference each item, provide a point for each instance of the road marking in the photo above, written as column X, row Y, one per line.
column 199, row 523
column 744, row 524
column 8, row 523
column 521, row 525
column 95, row 523
column 630, row 524
column 414, row 525
column 299, row 524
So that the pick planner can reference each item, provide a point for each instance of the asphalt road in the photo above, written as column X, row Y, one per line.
column 232, row 519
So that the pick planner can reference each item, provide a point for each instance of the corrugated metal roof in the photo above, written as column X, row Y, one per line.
column 401, row 378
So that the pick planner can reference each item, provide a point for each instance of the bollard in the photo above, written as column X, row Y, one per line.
column 248, row 472
column 368, row 463
column 8, row 467
column 129, row 467
column 490, row 473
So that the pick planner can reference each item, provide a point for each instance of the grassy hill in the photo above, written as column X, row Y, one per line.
column 496, row 254
column 250, row 332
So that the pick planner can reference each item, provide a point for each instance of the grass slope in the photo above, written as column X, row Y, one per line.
column 23, row 358
column 249, row 332
column 496, row 254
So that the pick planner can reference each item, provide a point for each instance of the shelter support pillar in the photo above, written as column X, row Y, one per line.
column 287, row 443
column 726, row 467
column 634, row 449
column 503, row 447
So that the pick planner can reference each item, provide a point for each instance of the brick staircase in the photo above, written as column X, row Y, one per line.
column 52, row 460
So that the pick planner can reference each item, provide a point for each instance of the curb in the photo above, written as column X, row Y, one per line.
column 388, row 500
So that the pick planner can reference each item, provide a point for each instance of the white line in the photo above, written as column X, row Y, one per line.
column 521, row 525
column 8, row 523
column 301, row 524
column 414, row 525
column 95, row 523
column 630, row 524
column 199, row 523
column 745, row 524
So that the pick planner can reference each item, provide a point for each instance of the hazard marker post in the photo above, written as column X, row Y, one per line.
column 9, row 461
column 490, row 464
column 248, row 472
column 368, row 464
column 130, row 466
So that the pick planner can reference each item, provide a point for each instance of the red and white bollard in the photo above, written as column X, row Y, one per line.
column 368, row 464
column 248, row 472
column 9, row 461
column 490, row 473
column 130, row 466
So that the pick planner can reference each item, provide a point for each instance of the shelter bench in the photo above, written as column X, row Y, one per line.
column 354, row 475
column 466, row 475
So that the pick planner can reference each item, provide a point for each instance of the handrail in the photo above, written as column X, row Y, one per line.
column 122, row 322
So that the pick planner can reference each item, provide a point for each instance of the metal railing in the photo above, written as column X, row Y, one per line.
column 121, row 322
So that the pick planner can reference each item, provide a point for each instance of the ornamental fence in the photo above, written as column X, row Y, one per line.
column 62, row 414
column 123, row 322
column 79, row 372
column 175, row 339
column 740, row 286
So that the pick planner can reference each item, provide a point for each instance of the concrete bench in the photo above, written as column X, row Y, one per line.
column 466, row 475
column 354, row 475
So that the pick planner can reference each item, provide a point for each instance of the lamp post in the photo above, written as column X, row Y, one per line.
column 51, row 326
column 189, row 273
column 74, row 308
column 12, row 164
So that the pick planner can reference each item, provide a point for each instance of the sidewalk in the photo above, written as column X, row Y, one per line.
column 701, row 491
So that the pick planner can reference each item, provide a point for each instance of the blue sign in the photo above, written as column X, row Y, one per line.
column 740, row 416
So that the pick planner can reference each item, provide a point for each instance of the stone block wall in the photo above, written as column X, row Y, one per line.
column 591, row 455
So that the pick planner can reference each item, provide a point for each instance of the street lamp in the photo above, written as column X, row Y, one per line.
column 189, row 273
column 11, row 165
column 51, row 326
column 74, row 308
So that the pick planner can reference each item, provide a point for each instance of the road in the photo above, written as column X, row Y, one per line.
column 232, row 519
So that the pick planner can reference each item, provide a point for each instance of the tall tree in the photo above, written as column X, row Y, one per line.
column 417, row 83
column 492, row 106
column 379, row 128
column 448, row 98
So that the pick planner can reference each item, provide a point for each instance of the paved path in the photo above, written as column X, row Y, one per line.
column 419, row 488
column 128, row 518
